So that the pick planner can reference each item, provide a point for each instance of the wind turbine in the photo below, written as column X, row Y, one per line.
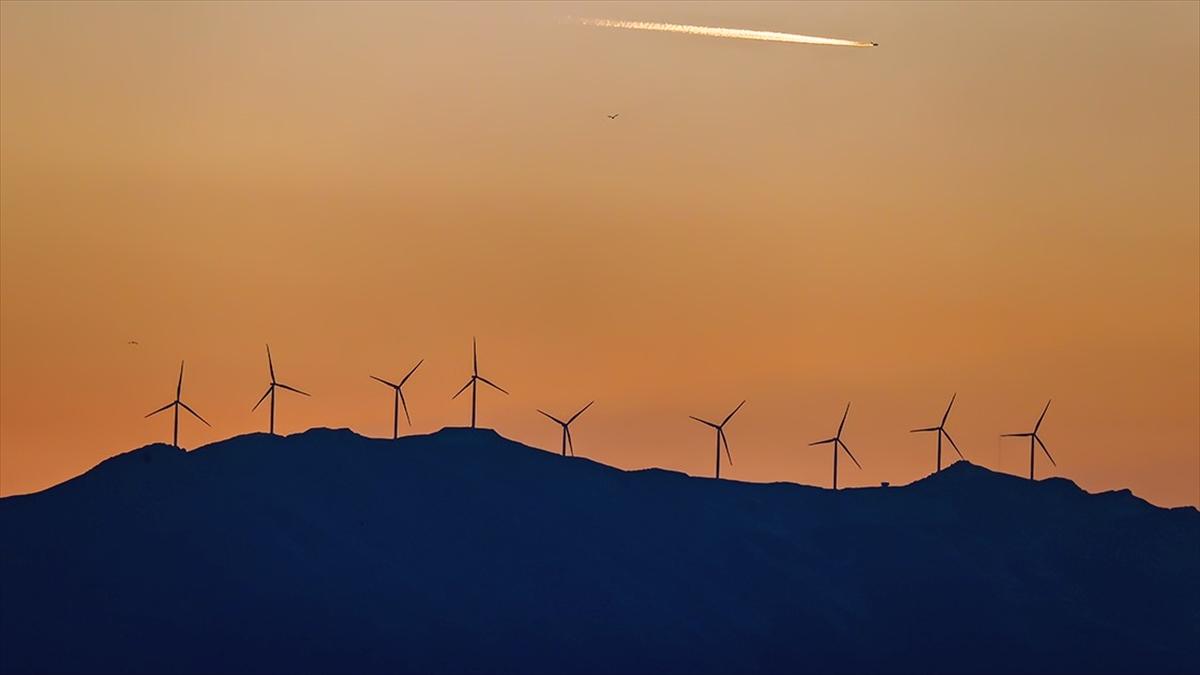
column 566, row 428
column 177, row 404
column 473, row 383
column 398, row 400
column 721, row 435
column 941, row 431
column 836, row 441
column 1035, row 439
column 271, row 390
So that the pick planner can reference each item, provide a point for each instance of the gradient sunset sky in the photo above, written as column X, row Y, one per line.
column 1002, row 200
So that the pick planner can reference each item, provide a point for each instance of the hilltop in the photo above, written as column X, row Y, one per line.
column 462, row 551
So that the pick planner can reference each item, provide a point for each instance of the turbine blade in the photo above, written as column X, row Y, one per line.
column 390, row 384
column 165, row 407
column 704, row 422
column 474, row 356
column 414, row 369
column 284, row 386
column 264, row 397
column 179, row 387
column 730, row 415
column 947, row 415
column 851, row 454
column 580, row 412
column 843, row 423
column 404, row 404
column 947, row 433
column 270, row 364
column 827, row 440
column 1045, row 450
column 1042, row 417
column 464, row 388
column 1016, row 435
column 194, row 413
column 925, row 429
column 721, row 434
column 570, row 443
column 492, row 384
column 552, row 417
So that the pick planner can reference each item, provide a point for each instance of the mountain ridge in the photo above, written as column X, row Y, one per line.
column 464, row 551
column 149, row 452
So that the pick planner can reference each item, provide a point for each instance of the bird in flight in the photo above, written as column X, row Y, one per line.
column 613, row 116
column 133, row 342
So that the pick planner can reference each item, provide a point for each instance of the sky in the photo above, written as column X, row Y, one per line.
column 1000, row 201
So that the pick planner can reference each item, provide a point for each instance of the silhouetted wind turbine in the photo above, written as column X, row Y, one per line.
column 721, row 435
column 1035, row 439
column 476, row 378
column 398, row 400
column 271, row 390
column 836, row 441
column 176, row 404
column 566, row 428
column 941, row 431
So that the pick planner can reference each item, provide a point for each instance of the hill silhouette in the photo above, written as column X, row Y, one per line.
column 462, row 551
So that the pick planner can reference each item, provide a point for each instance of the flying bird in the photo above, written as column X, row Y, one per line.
column 613, row 116
column 132, row 342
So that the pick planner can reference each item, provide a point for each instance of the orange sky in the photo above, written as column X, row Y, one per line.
column 1002, row 200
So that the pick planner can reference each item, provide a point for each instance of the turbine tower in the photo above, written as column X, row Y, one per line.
column 1035, row 440
column 473, row 383
column 721, row 436
column 941, row 431
column 177, row 404
column 398, row 400
column 566, row 428
column 275, row 384
column 836, row 441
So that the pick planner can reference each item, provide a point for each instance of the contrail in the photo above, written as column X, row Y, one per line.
column 738, row 33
